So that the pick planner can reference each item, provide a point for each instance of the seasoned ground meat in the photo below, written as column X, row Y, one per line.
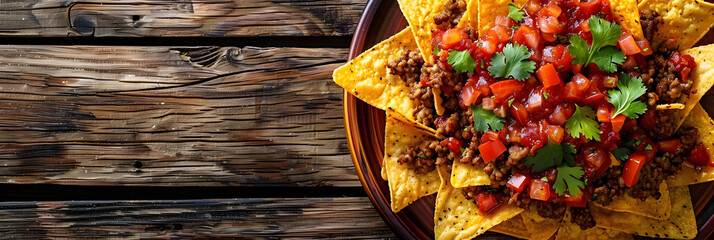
column 582, row 217
column 454, row 11
column 407, row 66
column 421, row 158
column 505, row 165
column 649, row 20
column 553, row 210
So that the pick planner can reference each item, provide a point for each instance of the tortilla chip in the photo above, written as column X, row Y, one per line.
column 571, row 231
column 688, row 19
column 470, row 18
column 628, row 16
column 512, row 227
column 681, row 225
column 702, row 78
column 488, row 10
column 456, row 217
column 384, row 170
column 705, row 126
column 657, row 209
column 420, row 15
column 468, row 175
column 540, row 228
column 438, row 101
column 405, row 185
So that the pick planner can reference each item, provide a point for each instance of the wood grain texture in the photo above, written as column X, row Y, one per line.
column 308, row 218
column 130, row 18
column 156, row 116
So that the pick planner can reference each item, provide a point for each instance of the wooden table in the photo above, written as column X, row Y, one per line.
column 160, row 119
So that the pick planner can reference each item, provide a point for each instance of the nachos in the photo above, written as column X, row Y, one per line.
column 545, row 119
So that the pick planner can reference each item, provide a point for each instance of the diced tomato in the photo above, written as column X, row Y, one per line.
column 535, row 100
column 648, row 119
column 581, row 82
column 610, row 82
column 503, row 89
column 699, row 156
column 590, row 7
column 486, row 202
column 499, row 34
column 518, row 182
column 491, row 150
column 548, row 18
column 594, row 159
column 468, row 95
column 577, row 201
column 629, row 63
column 489, row 46
column 528, row 37
column 424, row 80
column 453, row 144
column 532, row 7
column 559, row 56
column 572, row 93
column 670, row 146
column 617, row 122
column 632, row 168
column 561, row 114
column 488, row 104
column 644, row 45
column 628, row 45
column 549, row 37
column 594, row 96
column 556, row 133
column 488, row 136
column 548, row 76
column 452, row 37
column 519, row 112
column 603, row 114
column 540, row 190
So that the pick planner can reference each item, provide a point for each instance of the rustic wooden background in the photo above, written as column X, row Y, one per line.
column 164, row 119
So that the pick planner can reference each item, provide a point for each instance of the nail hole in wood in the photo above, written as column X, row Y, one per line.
column 135, row 18
column 178, row 226
column 138, row 164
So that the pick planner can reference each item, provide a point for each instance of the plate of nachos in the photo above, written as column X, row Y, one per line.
column 539, row 119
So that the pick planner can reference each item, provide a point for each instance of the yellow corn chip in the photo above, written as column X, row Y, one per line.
column 367, row 77
column 571, row 231
column 540, row 228
column 705, row 126
column 405, row 185
column 702, row 78
column 628, row 16
column 468, row 175
column 657, row 209
column 512, row 227
column 488, row 10
column 456, row 217
column 681, row 225
column 420, row 15
column 688, row 19
column 470, row 18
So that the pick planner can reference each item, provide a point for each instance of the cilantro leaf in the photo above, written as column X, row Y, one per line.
column 515, row 13
column 484, row 118
column 604, row 34
column 436, row 50
column 621, row 154
column 624, row 98
column 607, row 57
column 570, row 177
column 512, row 62
column 583, row 122
column 461, row 61
column 551, row 155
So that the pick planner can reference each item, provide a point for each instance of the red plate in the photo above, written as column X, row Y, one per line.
column 365, row 134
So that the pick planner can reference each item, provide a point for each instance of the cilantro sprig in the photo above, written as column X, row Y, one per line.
column 624, row 98
column 622, row 153
column 515, row 13
column 569, row 176
column 583, row 122
column 512, row 62
column 484, row 118
column 562, row 157
column 551, row 155
column 461, row 61
column 602, row 51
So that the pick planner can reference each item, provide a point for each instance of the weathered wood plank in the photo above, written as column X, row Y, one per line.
column 197, row 116
column 307, row 218
column 130, row 18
